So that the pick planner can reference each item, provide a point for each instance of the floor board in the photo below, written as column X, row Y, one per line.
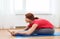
column 4, row 34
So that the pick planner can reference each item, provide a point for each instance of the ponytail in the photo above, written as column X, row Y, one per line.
column 36, row 18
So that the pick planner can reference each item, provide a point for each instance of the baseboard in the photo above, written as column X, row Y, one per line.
column 57, row 27
column 25, row 26
column 21, row 27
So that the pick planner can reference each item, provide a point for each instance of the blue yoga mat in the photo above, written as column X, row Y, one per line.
column 20, row 35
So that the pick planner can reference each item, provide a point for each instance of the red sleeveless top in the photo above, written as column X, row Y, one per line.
column 42, row 23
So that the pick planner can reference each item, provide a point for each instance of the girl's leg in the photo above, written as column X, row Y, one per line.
column 46, row 31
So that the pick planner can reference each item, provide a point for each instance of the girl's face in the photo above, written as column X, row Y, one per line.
column 27, row 20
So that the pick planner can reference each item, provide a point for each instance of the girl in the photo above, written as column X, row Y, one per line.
column 36, row 26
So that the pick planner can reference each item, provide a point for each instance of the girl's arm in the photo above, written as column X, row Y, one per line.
column 31, row 30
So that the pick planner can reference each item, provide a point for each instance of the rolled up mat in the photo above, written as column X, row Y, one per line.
column 22, row 35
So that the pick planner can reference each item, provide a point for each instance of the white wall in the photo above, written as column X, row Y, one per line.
column 54, row 17
column 8, row 18
column 55, row 11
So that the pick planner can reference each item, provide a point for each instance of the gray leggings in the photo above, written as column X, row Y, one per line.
column 44, row 31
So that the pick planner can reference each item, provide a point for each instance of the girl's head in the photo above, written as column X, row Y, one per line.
column 29, row 17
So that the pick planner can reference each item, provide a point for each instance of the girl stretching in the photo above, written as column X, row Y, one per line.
column 36, row 26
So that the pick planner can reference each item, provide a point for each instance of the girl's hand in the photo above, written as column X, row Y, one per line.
column 13, row 33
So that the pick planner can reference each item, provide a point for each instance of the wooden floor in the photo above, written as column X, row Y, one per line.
column 4, row 34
